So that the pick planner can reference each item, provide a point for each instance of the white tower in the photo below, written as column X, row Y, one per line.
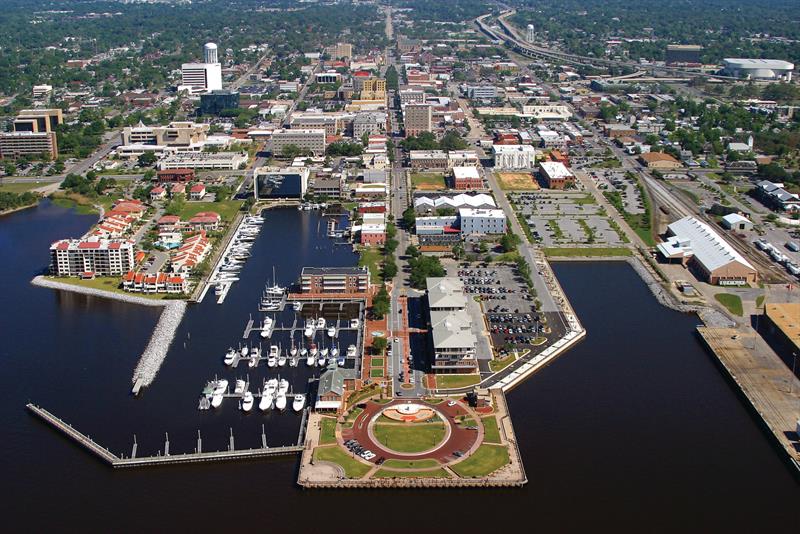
column 210, row 53
column 530, row 34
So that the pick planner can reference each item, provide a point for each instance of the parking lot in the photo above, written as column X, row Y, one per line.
column 616, row 180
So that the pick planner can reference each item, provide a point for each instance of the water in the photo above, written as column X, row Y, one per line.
column 635, row 428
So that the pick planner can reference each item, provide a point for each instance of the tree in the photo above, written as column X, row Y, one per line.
column 148, row 158
column 409, row 218
column 422, row 268
column 291, row 151
column 458, row 251
column 509, row 242
column 380, row 303
column 412, row 251
column 379, row 344
column 10, row 169
column 389, row 269
column 390, row 246
column 149, row 174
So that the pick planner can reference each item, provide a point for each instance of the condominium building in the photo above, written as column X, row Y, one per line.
column 454, row 343
column 93, row 256
column 418, row 118
column 305, row 139
column 200, row 77
column 334, row 280
column 514, row 156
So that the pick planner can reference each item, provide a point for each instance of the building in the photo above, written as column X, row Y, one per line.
column 616, row 130
column 38, row 120
column 205, row 220
column 462, row 158
column 200, row 77
column 418, row 118
column 548, row 112
column 411, row 95
column 683, row 54
column 781, row 327
column 467, row 178
column 342, row 51
column 273, row 182
column 428, row 159
column 307, row 140
column 91, row 257
column 191, row 253
column 343, row 280
column 759, row 69
column 215, row 102
column 223, row 161
column 178, row 134
column 197, row 192
column 776, row 197
column 454, row 344
column 481, row 92
column 369, row 122
column 530, row 33
column 514, row 156
column 334, row 384
column 373, row 234
column 210, row 53
column 474, row 221
column 555, row 175
column 428, row 204
column 328, row 187
column 371, row 88
column 42, row 91
column 175, row 175
column 33, row 134
column 734, row 221
column 659, row 161
column 697, row 246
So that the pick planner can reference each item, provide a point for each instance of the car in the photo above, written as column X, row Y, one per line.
column 451, row 403
column 397, row 340
column 458, row 454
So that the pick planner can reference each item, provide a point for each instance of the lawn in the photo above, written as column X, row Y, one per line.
column 586, row 252
column 581, row 201
column 490, row 429
column 411, row 464
column 611, row 163
column 371, row 258
column 226, row 208
column 457, row 381
column 429, row 181
column 106, row 283
column 402, row 437
column 352, row 467
column 484, row 461
column 759, row 301
column 21, row 187
column 376, row 362
column 732, row 302
column 376, row 373
column 498, row 364
column 435, row 473
column 327, row 432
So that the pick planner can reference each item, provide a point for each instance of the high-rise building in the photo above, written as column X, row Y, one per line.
column 214, row 102
column 202, row 76
column 683, row 54
column 210, row 53
column 101, row 257
column 418, row 118
column 33, row 134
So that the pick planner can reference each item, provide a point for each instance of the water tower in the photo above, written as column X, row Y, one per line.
column 530, row 35
column 210, row 53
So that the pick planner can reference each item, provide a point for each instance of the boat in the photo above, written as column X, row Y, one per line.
column 220, row 386
column 266, row 326
column 240, row 387
column 321, row 360
column 272, row 359
column 351, row 351
column 230, row 357
column 280, row 396
column 324, row 352
column 331, row 331
column 297, row 306
column 309, row 328
column 274, row 289
column 244, row 350
column 293, row 350
column 303, row 352
column 268, row 394
column 340, row 361
column 216, row 400
column 282, row 359
column 299, row 402
column 321, row 323
column 354, row 323
column 310, row 360
column 247, row 401
column 294, row 361
column 334, row 352
column 312, row 349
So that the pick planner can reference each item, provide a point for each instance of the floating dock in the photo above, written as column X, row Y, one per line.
column 162, row 459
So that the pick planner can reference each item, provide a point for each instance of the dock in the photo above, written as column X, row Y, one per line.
column 116, row 461
column 770, row 387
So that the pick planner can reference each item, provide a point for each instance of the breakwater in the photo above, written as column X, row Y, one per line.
column 156, row 351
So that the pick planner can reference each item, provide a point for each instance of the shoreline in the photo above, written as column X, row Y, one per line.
column 20, row 208
column 42, row 281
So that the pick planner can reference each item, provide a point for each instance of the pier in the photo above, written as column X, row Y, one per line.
column 769, row 386
column 116, row 461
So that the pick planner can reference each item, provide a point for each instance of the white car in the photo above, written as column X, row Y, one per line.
column 451, row 403
column 397, row 340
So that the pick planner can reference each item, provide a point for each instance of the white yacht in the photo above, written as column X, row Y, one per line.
column 324, row 352
column 272, row 359
column 282, row 359
column 309, row 329
column 293, row 350
column 293, row 361
column 274, row 289
column 266, row 326
column 331, row 331
column 230, row 356
column 299, row 402
column 354, row 323
column 297, row 306
column 216, row 400
column 244, row 350
column 310, row 360
column 247, row 401
column 321, row 323
column 280, row 396
column 268, row 394
column 321, row 360
column 303, row 352
column 220, row 386
column 240, row 386
column 351, row 351
column 334, row 352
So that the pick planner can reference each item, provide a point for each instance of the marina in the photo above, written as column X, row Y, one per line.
column 232, row 260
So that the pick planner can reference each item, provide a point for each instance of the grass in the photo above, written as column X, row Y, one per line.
column 428, row 180
column 371, row 258
column 555, row 228
column 484, row 461
column 403, row 437
column 491, row 432
column 456, row 381
column 586, row 252
column 411, row 464
column 376, row 373
column 226, row 208
column 327, row 433
column 499, row 364
column 513, row 181
column 107, row 283
column 436, row 473
column 507, row 257
column 21, row 187
column 583, row 200
column 691, row 194
column 377, row 362
column 732, row 302
column 612, row 163
column 352, row 467
column 759, row 301
column 362, row 394
column 82, row 205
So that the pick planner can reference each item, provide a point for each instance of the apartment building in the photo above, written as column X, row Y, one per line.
column 418, row 118
column 311, row 140
column 91, row 257
column 345, row 280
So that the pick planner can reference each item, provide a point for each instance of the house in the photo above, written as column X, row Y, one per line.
column 168, row 222
column 158, row 193
column 197, row 192
column 776, row 197
column 659, row 161
column 177, row 189
column 205, row 220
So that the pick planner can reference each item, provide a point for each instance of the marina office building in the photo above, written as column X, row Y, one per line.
column 454, row 344
column 697, row 246
column 92, row 257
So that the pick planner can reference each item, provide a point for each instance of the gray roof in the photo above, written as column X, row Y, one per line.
column 706, row 245
column 332, row 380
column 452, row 330
column 446, row 292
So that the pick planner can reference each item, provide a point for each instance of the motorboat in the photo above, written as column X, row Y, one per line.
column 216, row 400
column 309, row 328
column 230, row 357
column 321, row 323
column 268, row 394
column 299, row 402
column 321, row 360
column 266, row 326
column 220, row 386
column 280, row 396
column 240, row 387
column 247, row 401
column 334, row 352
column 294, row 361
column 293, row 350
column 244, row 350
column 331, row 331
column 351, row 351
column 282, row 359
column 340, row 361
column 310, row 360
column 324, row 352
column 312, row 349
column 297, row 306
column 272, row 359
column 253, row 361
column 303, row 352
column 354, row 323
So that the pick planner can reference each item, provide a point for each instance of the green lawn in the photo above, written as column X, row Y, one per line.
column 501, row 363
column 409, row 438
column 435, row 473
column 490, row 429
column 327, row 433
column 376, row 373
column 759, row 301
column 376, row 362
column 21, row 187
column 227, row 209
column 69, row 203
column 425, row 463
column 371, row 258
column 586, row 252
column 106, row 283
column 431, row 180
column 457, row 381
column 586, row 199
column 612, row 163
column 732, row 302
column 486, row 460
column 352, row 467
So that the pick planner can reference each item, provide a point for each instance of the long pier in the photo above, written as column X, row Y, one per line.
column 116, row 461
